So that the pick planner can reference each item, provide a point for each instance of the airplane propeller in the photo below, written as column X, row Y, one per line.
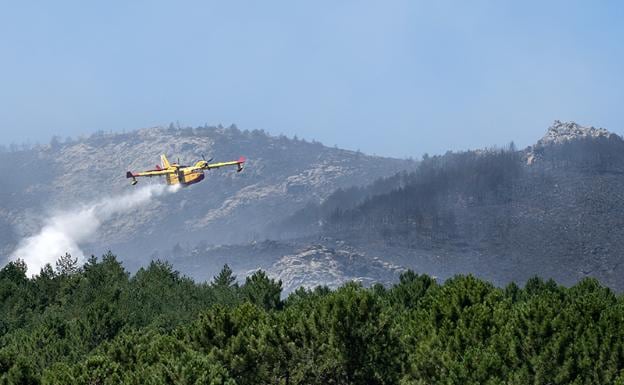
column 207, row 161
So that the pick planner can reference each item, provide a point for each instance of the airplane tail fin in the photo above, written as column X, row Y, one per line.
column 130, row 174
column 164, row 161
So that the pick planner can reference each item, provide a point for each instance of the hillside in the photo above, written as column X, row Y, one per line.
column 309, row 214
column 282, row 175
column 553, row 209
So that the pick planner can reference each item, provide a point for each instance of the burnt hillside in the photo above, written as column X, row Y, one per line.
column 554, row 209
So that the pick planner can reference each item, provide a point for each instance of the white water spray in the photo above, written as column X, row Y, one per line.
column 64, row 231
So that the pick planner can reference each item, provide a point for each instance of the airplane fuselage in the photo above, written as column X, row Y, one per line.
column 185, row 176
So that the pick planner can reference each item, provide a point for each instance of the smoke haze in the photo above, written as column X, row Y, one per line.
column 64, row 231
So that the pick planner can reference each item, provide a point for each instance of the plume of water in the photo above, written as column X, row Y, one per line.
column 64, row 231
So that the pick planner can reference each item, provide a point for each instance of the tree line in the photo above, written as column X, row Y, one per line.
column 98, row 324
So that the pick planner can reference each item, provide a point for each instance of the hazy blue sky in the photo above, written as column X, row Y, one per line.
column 388, row 77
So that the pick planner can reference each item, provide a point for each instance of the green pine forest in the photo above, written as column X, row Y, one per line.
column 99, row 324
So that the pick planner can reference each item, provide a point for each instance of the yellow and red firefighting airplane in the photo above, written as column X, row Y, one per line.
column 184, row 175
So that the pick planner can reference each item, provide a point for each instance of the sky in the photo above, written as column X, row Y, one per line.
column 393, row 78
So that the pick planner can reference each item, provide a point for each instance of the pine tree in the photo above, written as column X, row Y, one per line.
column 226, row 278
column 260, row 290
column 67, row 265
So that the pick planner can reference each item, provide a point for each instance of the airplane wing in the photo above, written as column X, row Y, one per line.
column 149, row 173
column 238, row 163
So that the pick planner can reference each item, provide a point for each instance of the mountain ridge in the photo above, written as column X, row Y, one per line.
column 489, row 212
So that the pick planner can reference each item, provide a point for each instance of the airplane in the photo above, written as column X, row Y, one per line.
column 184, row 175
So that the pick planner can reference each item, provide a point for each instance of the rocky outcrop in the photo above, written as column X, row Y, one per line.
column 562, row 132
column 318, row 265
